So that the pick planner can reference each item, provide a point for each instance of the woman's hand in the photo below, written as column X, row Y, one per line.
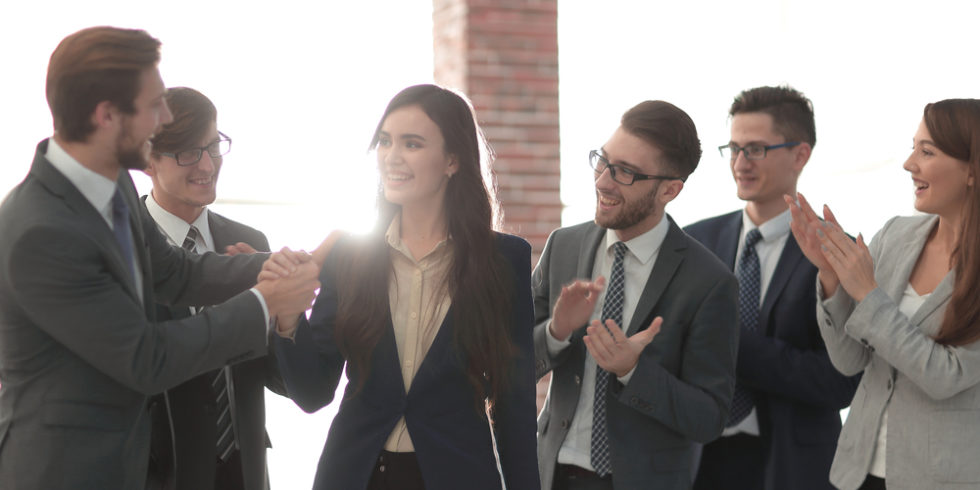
column 804, row 226
column 850, row 259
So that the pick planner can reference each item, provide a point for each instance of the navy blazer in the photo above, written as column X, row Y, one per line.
column 799, row 394
column 452, row 438
column 185, row 417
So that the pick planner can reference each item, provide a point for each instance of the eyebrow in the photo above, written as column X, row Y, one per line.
column 405, row 136
column 622, row 163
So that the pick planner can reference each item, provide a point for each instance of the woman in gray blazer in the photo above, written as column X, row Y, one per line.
column 904, row 312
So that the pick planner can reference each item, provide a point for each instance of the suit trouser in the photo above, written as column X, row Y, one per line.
column 396, row 471
column 570, row 477
column 735, row 462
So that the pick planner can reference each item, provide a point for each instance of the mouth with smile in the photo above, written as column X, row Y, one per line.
column 607, row 202
column 920, row 186
column 205, row 181
column 396, row 178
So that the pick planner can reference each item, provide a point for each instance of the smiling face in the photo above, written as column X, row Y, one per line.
column 412, row 160
column 632, row 210
column 941, row 182
column 151, row 113
column 185, row 191
column 764, row 182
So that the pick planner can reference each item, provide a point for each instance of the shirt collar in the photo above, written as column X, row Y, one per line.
column 771, row 230
column 176, row 228
column 97, row 189
column 645, row 246
column 394, row 240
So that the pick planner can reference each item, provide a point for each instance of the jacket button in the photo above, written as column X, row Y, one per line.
column 578, row 379
column 565, row 424
column 889, row 384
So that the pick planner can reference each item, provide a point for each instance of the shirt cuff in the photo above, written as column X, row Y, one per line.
column 554, row 345
column 626, row 377
column 269, row 323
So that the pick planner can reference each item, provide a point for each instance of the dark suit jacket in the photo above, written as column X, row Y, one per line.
column 80, row 353
column 185, row 417
column 452, row 438
column 682, row 386
column 799, row 393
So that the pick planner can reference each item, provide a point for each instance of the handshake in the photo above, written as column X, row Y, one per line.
column 289, row 279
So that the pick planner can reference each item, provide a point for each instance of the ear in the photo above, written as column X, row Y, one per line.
column 105, row 115
column 453, row 166
column 151, row 166
column 803, row 151
column 669, row 190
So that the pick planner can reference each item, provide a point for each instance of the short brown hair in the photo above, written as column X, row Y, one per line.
column 670, row 129
column 193, row 113
column 791, row 111
column 95, row 65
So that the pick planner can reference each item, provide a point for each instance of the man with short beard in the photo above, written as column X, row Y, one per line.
column 81, row 266
column 636, row 321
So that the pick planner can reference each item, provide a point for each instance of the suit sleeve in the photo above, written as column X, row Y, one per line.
column 311, row 363
column 273, row 379
column 66, row 289
column 696, row 401
column 516, row 426
column 544, row 362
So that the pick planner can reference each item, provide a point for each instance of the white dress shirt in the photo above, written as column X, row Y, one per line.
column 774, row 232
column 637, row 266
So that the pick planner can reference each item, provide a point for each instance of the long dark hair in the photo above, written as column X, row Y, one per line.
column 954, row 125
column 478, row 276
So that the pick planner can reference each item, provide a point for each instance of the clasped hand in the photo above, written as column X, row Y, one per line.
column 840, row 260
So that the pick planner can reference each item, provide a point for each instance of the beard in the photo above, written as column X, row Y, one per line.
column 631, row 212
column 130, row 152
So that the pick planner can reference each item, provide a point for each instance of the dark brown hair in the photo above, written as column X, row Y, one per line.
column 791, row 111
column 95, row 65
column 954, row 125
column 478, row 278
column 193, row 114
column 668, row 128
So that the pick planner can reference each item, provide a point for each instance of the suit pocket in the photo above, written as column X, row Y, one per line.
column 83, row 415
column 954, row 437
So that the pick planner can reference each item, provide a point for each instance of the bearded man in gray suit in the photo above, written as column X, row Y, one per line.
column 627, row 405
column 82, row 265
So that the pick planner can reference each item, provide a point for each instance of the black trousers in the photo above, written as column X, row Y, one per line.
column 570, row 477
column 733, row 462
column 873, row 483
column 396, row 471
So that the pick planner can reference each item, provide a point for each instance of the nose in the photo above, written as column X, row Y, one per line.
column 166, row 117
column 206, row 163
column 740, row 161
column 910, row 165
column 604, row 180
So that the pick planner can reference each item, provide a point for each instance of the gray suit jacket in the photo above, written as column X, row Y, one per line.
column 681, row 389
column 934, row 407
column 80, row 352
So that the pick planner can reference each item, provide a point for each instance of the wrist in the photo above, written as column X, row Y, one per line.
column 555, row 333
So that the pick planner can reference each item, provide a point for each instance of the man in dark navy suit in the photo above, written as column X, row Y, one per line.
column 208, row 433
column 784, row 423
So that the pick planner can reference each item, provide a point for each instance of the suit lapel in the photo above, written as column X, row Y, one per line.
column 140, row 253
column 791, row 256
column 586, row 253
column 220, row 232
column 668, row 260
column 728, row 240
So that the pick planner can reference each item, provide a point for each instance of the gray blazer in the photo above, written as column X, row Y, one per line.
column 79, row 350
column 681, row 389
column 934, row 408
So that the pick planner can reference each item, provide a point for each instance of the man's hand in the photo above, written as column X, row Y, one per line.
column 283, row 263
column 611, row 349
column 291, row 295
column 574, row 307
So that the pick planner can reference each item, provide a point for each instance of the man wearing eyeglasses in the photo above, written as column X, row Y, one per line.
column 209, row 432
column 783, row 427
column 635, row 320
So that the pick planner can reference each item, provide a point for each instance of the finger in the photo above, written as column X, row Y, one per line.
column 615, row 332
column 601, row 341
column 843, row 242
column 268, row 276
column 808, row 211
column 862, row 245
column 273, row 265
column 591, row 347
column 240, row 248
column 323, row 250
column 829, row 215
column 644, row 337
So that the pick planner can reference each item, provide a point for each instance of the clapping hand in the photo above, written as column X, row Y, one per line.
column 615, row 352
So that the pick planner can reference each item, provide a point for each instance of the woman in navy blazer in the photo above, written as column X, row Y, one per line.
column 904, row 312
column 431, row 315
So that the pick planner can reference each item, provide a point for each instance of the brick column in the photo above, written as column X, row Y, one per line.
column 504, row 55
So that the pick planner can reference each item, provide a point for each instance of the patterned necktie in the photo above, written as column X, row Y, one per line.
column 122, row 231
column 190, row 241
column 612, row 309
column 749, row 287
column 225, row 440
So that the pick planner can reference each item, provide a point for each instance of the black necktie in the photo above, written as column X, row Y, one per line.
column 122, row 231
column 612, row 309
column 190, row 241
column 749, row 287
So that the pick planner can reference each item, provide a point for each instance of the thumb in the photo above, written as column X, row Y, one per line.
column 323, row 250
column 644, row 337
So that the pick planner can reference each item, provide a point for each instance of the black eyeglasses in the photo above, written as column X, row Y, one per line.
column 751, row 151
column 620, row 173
column 190, row 156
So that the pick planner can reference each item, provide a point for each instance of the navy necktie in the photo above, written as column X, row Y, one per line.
column 749, row 287
column 612, row 309
column 122, row 231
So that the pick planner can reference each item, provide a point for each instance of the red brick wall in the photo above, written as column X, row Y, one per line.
column 504, row 55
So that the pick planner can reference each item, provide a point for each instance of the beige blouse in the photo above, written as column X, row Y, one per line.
column 419, row 299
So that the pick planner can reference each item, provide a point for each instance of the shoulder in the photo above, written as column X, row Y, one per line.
column 710, row 225
column 907, row 224
column 512, row 244
column 239, row 232
column 699, row 261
